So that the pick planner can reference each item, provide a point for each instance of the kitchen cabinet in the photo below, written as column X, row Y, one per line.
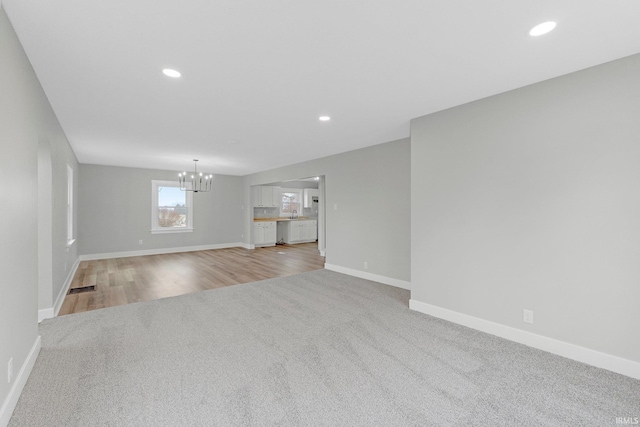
column 308, row 196
column 266, row 196
column 264, row 233
column 299, row 231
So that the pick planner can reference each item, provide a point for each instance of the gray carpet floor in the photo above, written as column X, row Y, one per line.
column 314, row 349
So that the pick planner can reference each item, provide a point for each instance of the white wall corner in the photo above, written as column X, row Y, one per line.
column 570, row 351
column 403, row 284
column 19, row 382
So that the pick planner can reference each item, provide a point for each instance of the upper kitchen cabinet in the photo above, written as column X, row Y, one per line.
column 310, row 197
column 266, row 197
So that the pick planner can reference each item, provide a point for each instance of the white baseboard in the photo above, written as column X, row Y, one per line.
column 551, row 345
column 247, row 246
column 161, row 251
column 65, row 288
column 51, row 312
column 369, row 276
column 46, row 313
column 20, row 380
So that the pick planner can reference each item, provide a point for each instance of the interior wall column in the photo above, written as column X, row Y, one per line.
column 45, row 229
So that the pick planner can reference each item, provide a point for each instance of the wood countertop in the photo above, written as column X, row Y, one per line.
column 300, row 218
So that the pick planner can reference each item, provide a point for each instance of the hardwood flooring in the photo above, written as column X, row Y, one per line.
column 120, row 281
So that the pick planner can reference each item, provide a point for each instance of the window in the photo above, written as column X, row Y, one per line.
column 291, row 200
column 171, row 208
column 70, row 238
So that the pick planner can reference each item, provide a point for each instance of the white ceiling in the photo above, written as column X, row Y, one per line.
column 261, row 72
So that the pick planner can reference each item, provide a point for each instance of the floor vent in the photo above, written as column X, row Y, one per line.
column 82, row 289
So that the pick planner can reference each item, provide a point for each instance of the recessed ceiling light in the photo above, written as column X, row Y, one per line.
column 171, row 73
column 324, row 118
column 543, row 28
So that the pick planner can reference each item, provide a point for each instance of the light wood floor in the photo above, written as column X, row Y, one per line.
column 120, row 281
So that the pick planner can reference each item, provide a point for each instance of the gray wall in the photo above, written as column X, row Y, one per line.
column 115, row 211
column 371, row 187
column 55, row 259
column 27, row 121
column 529, row 199
column 63, row 257
column 296, row 184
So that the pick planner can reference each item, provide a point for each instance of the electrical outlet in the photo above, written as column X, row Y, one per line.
column 366, row 265
column 527, row 316
column 335, row 206
column 139, row 242
column 10, row 370
column 264, row 211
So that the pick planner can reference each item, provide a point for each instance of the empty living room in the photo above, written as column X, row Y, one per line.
column 416, row 213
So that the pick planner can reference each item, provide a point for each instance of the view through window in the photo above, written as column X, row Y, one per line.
column 291, row 201
column 172, row 207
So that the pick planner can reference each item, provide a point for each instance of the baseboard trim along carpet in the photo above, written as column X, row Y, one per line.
column 48, row 313
column 402, row 284
column 560, row 348
column 18, row 384
column 126, row 254
column 45, row 313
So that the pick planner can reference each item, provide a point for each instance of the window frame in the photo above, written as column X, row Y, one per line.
column 155, row 228
column 300, row 198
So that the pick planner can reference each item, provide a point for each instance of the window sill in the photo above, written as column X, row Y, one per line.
column 171, row 230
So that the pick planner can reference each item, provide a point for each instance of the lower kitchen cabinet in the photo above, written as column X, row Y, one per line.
column 264, row 233
column 299, row 231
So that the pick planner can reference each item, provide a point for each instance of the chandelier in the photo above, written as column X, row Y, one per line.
column 198, row 183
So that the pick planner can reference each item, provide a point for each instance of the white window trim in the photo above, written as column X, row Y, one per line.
column 300, row 192
column 154, row 208
column 70, row 238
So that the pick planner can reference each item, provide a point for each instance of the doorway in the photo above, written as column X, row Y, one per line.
column 298, row 199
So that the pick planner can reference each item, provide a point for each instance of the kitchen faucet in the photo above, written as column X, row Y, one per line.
column 294, row 214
